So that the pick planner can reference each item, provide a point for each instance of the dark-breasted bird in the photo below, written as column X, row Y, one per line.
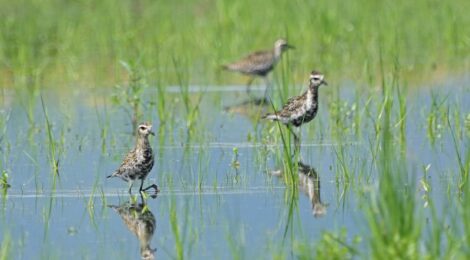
column 259, row 63
column 300, row 109
column 139, row 162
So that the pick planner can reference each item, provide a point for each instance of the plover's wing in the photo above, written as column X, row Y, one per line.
column 257, row 62
column 292, row 106
column 128, row 163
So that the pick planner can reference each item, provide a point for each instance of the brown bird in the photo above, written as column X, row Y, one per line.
column 259, row 63
column 300, row 109
column 139, row 162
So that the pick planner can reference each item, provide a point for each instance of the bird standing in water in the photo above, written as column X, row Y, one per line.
column 139, row 162
column 259, row 63
column 300, row 109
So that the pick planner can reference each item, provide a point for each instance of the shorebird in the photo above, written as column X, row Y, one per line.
column 139, row 162
column 259, row 63
column 141, row 222
column 301, row 109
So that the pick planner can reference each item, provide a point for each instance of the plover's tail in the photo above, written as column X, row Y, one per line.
column 273, row 117
column 113, row 207
column 231, row 67
column 114, row 174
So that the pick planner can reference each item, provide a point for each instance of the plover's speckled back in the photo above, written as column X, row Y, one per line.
column 139, row 162
column 300, row 109
column 259, row 63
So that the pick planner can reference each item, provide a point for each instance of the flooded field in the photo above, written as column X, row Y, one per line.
column 229, row 187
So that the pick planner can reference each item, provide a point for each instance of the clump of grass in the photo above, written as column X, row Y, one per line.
column 392, row 215
column 289, row 158
column 236, row 242
column 176, row 230
column 131, row 94
column 464, row 163
column 191, row 108
column 6, row 247
column 53, row 153
column 329, row 246
column 103, row 123
column 467, row 124
column 465, row 205
column 437, row 117
column 4, row 182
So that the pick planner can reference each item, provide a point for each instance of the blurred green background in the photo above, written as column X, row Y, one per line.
column 56, row 43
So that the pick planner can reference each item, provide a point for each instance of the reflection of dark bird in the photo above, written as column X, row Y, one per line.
column 309, row 182
column 300, row 109
column 140, row 221
column 259, row 63
column 138, row 162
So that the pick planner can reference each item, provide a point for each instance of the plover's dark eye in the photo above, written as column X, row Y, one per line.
column 142, row 128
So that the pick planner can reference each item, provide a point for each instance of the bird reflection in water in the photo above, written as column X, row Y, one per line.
column 309, row 183
column 141, row 222
column 252, row 108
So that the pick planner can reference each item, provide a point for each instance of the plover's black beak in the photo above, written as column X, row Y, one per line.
column 288, row 46
column 324, row 82
column 152, row 133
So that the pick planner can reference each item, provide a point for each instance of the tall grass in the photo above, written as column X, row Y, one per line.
column 6, row 247
column 392, row 214
column 57, row 42
column 52, row 145
column 131, row 94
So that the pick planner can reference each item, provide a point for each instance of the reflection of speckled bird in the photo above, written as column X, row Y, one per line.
column 301, row 109
column 138, row 162
column 309, row 182
column 141, row 222
column 259, row 63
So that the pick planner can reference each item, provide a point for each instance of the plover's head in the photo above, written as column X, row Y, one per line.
column 316, row 78
column 282, row 45
column 145, row 129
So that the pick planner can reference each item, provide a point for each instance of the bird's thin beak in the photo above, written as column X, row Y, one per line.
column 152, row 133
column 324, row 82
column 290, row 46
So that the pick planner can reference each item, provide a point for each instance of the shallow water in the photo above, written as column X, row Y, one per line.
column 207, row 207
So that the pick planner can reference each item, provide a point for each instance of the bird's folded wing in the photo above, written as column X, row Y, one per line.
column 293, row 104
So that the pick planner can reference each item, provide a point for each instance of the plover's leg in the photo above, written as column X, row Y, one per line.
column 248, row 85
column 142, row 199
column 141, row 185
column 267, row 90
column 296, row 140
column 130, row 186
column 154, row 186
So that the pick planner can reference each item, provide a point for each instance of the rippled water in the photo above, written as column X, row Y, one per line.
column 208, row 206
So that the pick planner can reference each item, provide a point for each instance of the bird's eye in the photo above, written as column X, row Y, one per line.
column 142, row 128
